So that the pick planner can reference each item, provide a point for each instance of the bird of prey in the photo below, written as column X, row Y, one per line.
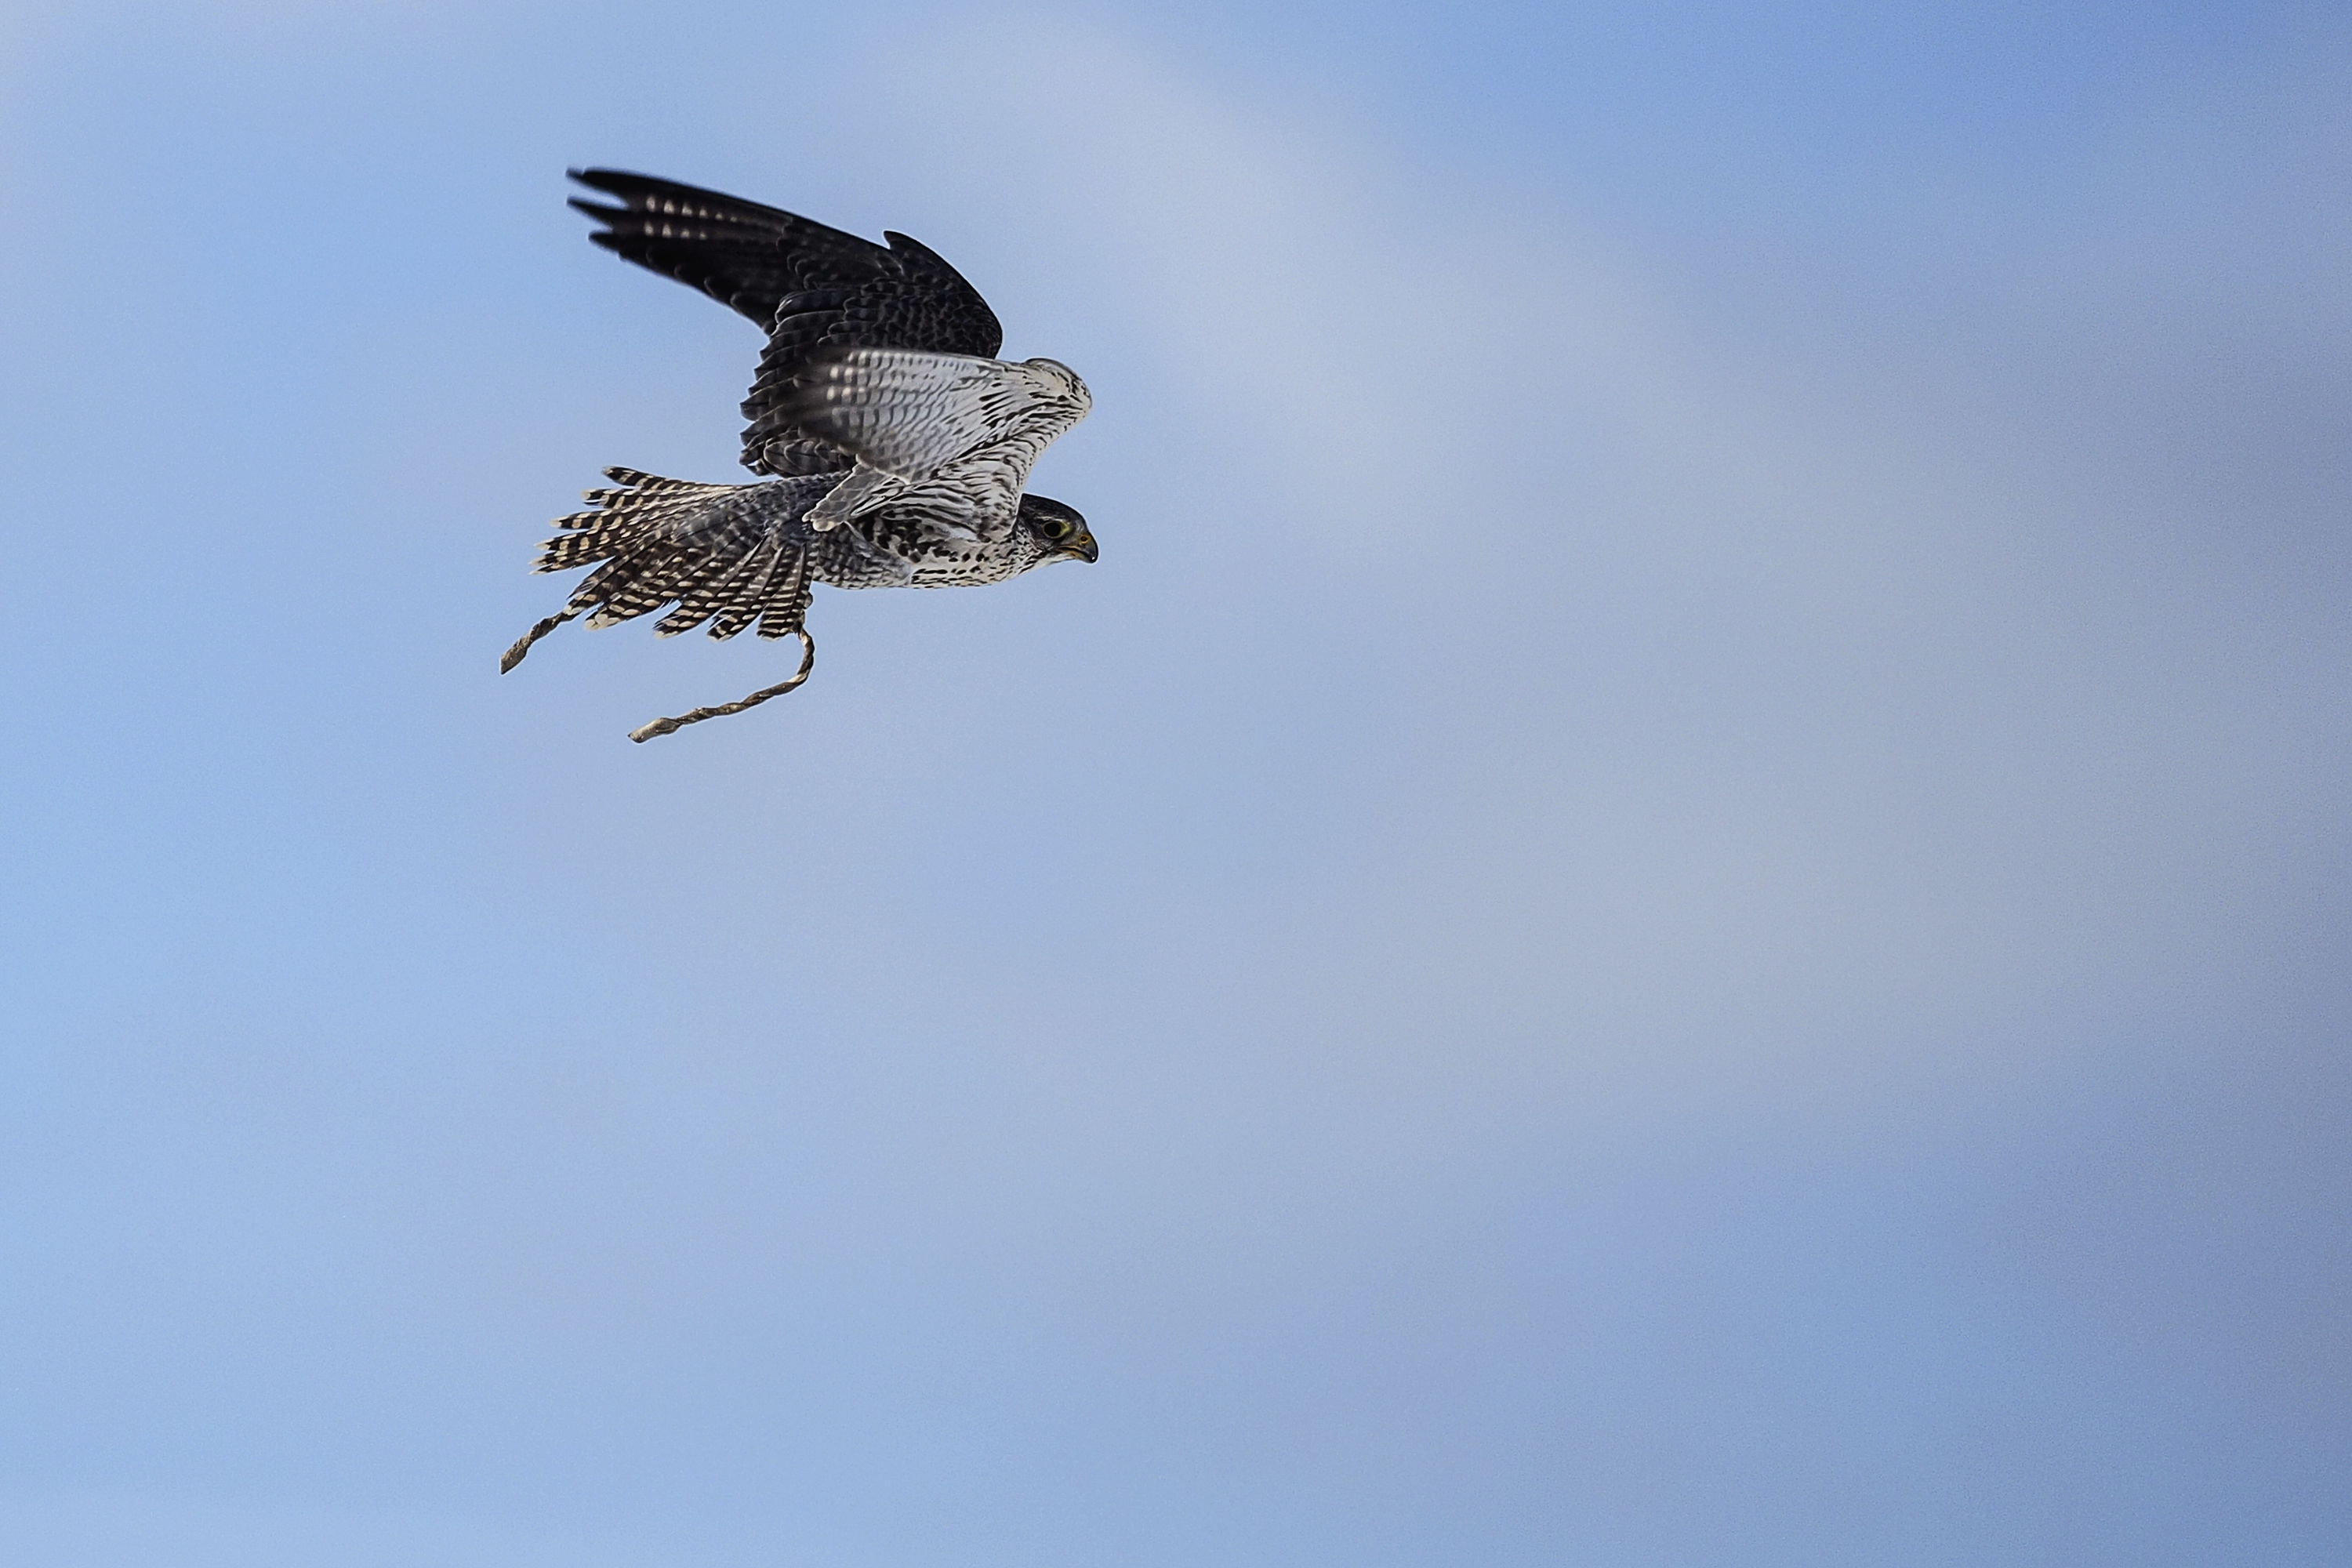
column 897, row 444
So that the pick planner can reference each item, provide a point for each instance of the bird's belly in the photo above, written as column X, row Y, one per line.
column 957, row 564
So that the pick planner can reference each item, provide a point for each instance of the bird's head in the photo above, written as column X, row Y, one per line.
column 1059, row 531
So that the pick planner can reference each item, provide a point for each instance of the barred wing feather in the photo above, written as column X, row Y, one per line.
column 798, row 279
column 910, row 414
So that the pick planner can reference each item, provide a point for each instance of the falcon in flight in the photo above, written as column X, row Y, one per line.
column 895, row 443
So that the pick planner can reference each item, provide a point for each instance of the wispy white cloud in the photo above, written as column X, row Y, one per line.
column 1890, row 727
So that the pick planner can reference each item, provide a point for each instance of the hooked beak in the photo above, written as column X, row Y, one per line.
column 1082, row 548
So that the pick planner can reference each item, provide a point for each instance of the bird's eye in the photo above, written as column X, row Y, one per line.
column 1054, row 528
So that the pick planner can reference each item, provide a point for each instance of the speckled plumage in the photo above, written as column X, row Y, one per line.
column 900, row 445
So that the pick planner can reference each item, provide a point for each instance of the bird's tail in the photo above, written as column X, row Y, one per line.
column 728, row 554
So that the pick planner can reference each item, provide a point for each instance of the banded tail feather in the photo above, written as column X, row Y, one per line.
column 731, row 555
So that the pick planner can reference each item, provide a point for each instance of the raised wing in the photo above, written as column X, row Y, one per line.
column 911, row 415
column 808, row 287
column 745, row 256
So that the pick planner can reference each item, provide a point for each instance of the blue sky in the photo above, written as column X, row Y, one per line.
column 1676, row 897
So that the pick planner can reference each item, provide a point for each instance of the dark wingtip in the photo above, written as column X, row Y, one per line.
column 612, row 219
